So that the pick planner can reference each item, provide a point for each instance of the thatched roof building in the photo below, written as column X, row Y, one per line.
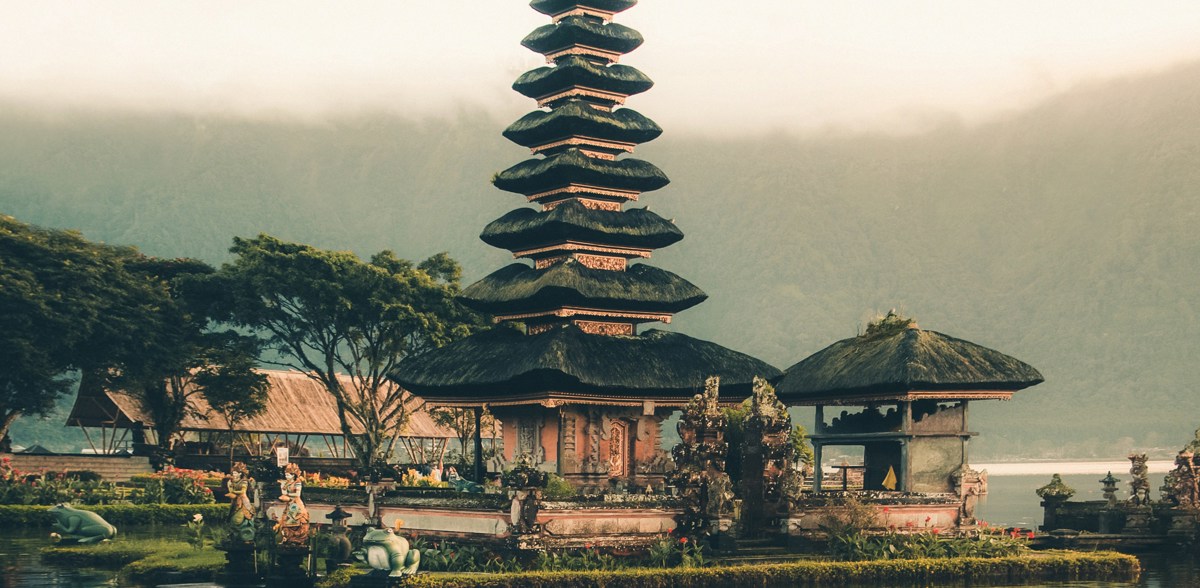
column 902, row 361
column 914, row 388
column 296, row 405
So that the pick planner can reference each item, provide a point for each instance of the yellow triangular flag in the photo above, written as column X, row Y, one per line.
column 889, row 481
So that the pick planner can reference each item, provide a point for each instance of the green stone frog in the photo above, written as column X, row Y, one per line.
column 383, row 549
column 81, row 525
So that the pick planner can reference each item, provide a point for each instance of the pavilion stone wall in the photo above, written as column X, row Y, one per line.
column 587, row 443
column 564, row 524
column 114, row 468
column 934, row 460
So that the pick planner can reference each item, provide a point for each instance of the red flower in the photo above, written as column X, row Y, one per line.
column 909, row 524
column 936, row 531
column 683, row 540
column 886, row 510
column 1029, row 535
column 927, row 519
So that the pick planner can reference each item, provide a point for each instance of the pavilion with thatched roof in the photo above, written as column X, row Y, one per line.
column 298, row 412
column 914, row 387
column 578, row 388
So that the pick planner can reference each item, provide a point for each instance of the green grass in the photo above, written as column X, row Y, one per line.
column 142, row 559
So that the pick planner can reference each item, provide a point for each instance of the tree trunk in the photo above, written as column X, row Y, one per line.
column 7, row 420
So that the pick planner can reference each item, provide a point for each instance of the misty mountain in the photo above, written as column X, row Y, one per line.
column 1064, row 234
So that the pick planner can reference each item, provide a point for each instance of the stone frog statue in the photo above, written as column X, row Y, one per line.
column 383, row 549
column 81, row 525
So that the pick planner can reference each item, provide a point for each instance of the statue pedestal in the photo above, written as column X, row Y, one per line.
column 1137, row 521
column 290, row 569
column 241, row 569
column 1183, row 524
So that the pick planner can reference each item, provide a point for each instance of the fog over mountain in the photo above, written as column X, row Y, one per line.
column 1064, row 234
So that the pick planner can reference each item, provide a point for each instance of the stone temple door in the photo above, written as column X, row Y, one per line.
column 620, row 449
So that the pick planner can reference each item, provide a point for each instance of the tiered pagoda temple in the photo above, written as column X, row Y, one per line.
column 578, row 384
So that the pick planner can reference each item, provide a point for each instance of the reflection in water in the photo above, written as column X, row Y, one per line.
column 23, row 567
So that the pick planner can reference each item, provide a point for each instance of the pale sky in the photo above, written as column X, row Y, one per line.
column 759, row 65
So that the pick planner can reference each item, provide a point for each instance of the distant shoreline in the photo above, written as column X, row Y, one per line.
column 1036, row 468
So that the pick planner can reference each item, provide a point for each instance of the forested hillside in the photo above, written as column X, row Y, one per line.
column 1065, row 235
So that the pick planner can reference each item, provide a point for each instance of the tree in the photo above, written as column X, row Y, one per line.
column 802, row 451
column 327, row 313
column 179, row 356
column 66, row 305
column 234, row 390
column 462, row 422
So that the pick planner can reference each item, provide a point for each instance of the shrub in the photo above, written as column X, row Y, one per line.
column 1056, row 566
column 558, row 488
column 176, row 486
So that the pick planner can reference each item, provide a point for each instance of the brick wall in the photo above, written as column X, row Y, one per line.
column 110, row 467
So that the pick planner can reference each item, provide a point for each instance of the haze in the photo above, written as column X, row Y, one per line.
column 786, row 65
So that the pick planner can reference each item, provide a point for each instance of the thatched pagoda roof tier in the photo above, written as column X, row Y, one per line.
column 581, row 30
column 566, row 365
column 534, row 176
column 525, row 228
column 901, row 363
column 553, row 7
column 574, row 70
column 577, row 118
column 519, row 288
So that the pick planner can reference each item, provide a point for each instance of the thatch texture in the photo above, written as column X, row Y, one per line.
column 579, row 30
column 571, row 220
column 539, row 175
column 576, row 118
column 900, row 360
column 519, row 288
column 574, row 70
column 504, row 363
column 296, row 405
column 552, row 7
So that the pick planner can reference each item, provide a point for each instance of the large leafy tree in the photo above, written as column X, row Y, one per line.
column 66, row 305
column 346, row 323
column 180, row 357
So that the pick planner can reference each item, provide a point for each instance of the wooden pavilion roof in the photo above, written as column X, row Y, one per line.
column 296, row 404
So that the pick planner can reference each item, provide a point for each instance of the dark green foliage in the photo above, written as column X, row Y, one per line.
column 899, row 358
column 574, row 70
column 326, row 313
column 521, row 288
column 526, row 227
column 533, row 176
column 581, row 30
column 504, row 361
column 66, row 304
column 1044, row 567
column 552, row 7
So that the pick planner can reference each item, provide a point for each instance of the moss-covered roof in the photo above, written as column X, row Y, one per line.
column 576, row 118
column 533, row 176
column 899, row 360
column 581, row 30
column 573, row 70
column 518, row 288
column 503, row 363
column 552, row 7
column 571, row 220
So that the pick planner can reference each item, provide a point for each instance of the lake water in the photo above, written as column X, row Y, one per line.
column 1010, row 501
